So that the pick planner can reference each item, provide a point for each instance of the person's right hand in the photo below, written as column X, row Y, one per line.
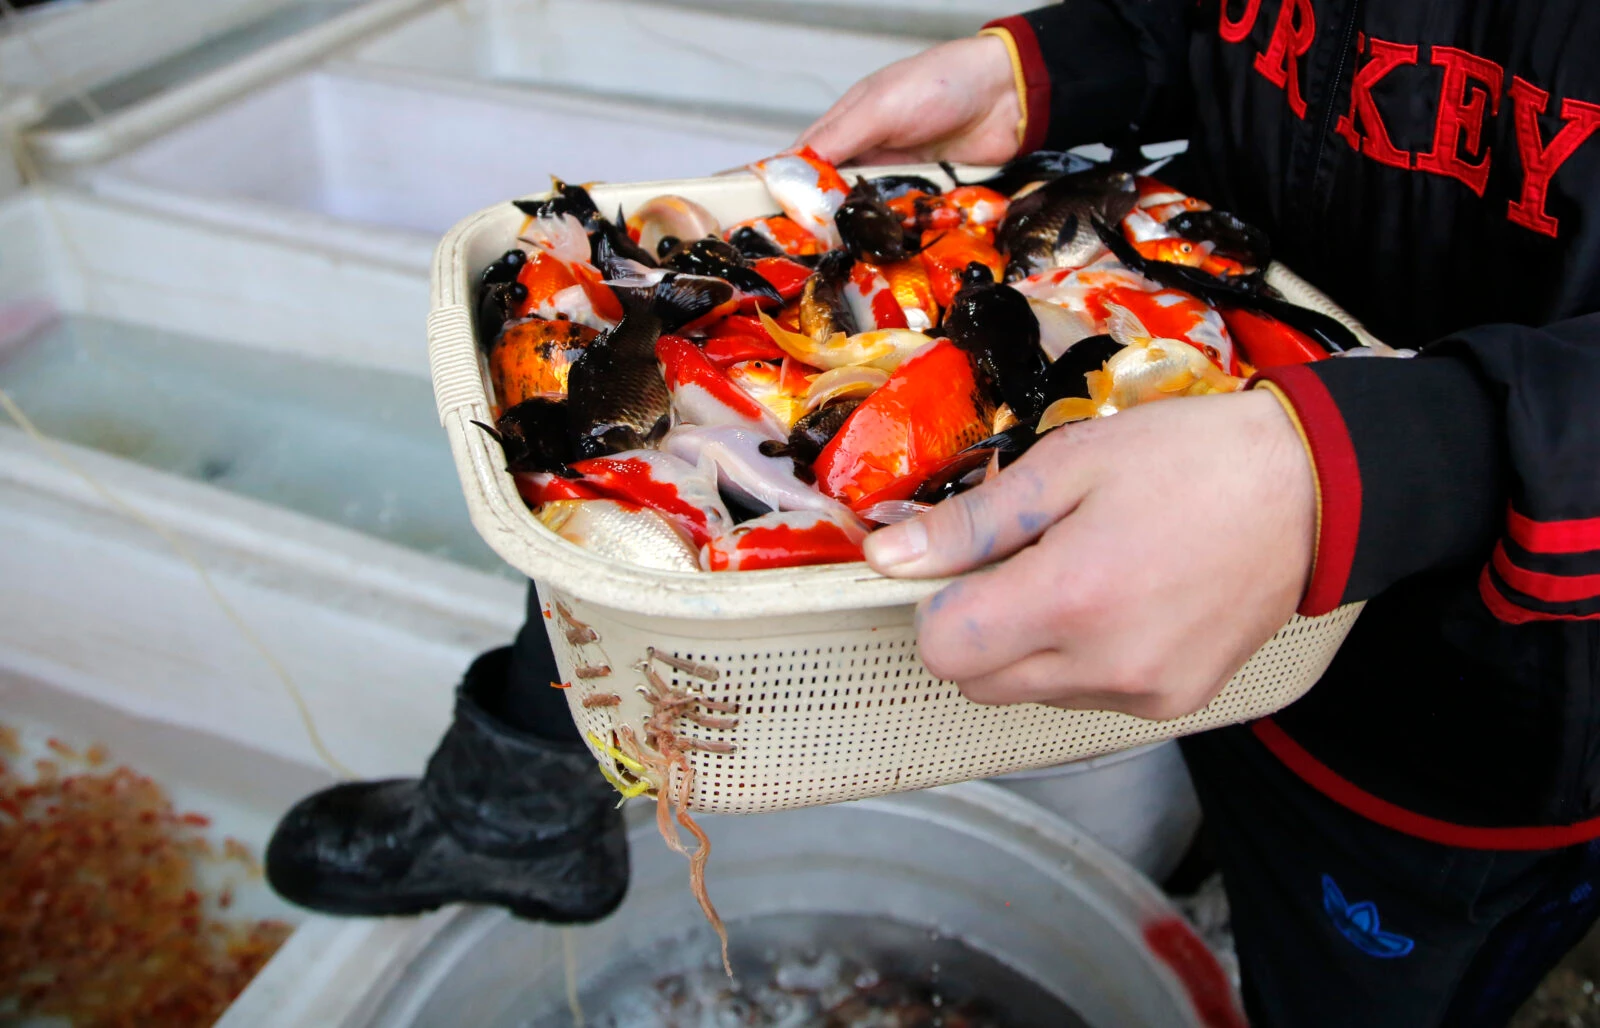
column 955, row 102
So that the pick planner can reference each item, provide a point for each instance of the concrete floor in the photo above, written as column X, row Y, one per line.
column 1570, row 996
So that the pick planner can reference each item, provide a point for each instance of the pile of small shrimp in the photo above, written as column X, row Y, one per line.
column 686, row 395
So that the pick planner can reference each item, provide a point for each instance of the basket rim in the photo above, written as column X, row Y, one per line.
column 509, row 527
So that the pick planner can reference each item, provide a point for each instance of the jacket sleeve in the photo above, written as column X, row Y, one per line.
column 1486, row 450
column 1100, row 71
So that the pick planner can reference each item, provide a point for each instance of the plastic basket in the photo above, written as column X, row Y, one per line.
column 834, row 703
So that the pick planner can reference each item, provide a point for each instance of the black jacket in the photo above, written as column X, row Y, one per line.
column 1434, row 165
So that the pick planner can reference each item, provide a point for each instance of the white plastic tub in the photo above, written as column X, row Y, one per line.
column 93, row 601
column 678, row 56
column 121, row 71
column 1138, row 803
column 363, row 164
column 968, row 863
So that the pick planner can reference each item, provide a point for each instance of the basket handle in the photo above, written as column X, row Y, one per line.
column 453, row 360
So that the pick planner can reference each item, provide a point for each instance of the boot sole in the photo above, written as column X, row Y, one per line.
column 411, row 906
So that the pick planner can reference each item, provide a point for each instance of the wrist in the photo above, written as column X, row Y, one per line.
column 1003, row 77
column 1292, row 477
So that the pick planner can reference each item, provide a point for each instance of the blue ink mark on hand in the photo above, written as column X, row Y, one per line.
column 1032, row 521
column 1359, row 923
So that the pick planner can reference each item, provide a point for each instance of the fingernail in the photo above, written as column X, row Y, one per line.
column 897, row 545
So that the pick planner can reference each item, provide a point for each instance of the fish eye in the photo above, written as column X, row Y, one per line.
column 1186, row 247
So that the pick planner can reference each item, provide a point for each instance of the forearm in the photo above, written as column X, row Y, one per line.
column 1486, row 450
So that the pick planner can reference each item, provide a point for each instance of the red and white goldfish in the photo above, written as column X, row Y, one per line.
column 809, row 190
column 786, row 539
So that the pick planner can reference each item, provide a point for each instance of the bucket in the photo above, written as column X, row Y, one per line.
column 1138, row 803
column 974, row 889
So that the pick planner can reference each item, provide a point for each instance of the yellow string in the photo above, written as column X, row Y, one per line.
column 569, row 961
column 56, row 453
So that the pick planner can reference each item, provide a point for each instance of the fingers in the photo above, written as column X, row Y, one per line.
column 989, row 620
column 847, row 128
column 990, row 522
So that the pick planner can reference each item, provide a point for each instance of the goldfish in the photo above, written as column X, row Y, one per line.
column 616, row 397
column 1170, row 313
column 946, row 257
column 621, row 531
column 1052, row 226
column 872, row 300
column 786, row 276
column 670, row 217
column 1161, row 201
column 533, row 358
column 870, row 229
column 780, row 386
column 684, row 494
column 786, row 539
column 561, row 235
column 930, row 408
column 980, row 206
column 1145, row 369
column 744, row 472
column 773, row 236
column 1190, row 253
column 572, row 290
column 1268, row 342
column 808, row 188
column 704, row 394
column 884, row 350
column 908, row 281
column 856, row 381
column 738, row 338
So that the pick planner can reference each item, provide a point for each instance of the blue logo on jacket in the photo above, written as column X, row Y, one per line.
column 1359, row 923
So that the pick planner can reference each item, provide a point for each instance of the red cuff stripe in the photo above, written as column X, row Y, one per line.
column 1352, row 797
column 1338, row 484
column 1541, row 586
column 1035, row 74
column 1553, row 536
column 1514, row 614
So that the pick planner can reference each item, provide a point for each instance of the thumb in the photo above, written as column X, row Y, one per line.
column 984, row 525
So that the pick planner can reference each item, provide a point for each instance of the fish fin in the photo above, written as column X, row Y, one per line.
column 795, row 344
column 950, row 169
column 1125, row 327
column 680, row 299
column 1069, row 228
column 1073, row 408
column 496, row 436
column 1179, row 384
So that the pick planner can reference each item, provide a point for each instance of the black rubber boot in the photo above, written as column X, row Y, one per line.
column 501, row 817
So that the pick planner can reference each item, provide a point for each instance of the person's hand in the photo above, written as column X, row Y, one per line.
column 1150, row 554
column 955, row 102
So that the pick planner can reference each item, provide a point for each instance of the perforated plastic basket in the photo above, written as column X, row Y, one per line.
column 821, row 662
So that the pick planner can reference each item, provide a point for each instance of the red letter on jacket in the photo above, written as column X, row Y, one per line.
column 1233, row 31
column 1539, row 162
column 1376, row 144
column 1468, row 80
column 1291, row 38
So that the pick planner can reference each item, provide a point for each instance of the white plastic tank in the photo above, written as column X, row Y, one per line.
column 964, row 893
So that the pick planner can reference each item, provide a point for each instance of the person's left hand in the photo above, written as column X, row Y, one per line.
column 1150, row 554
